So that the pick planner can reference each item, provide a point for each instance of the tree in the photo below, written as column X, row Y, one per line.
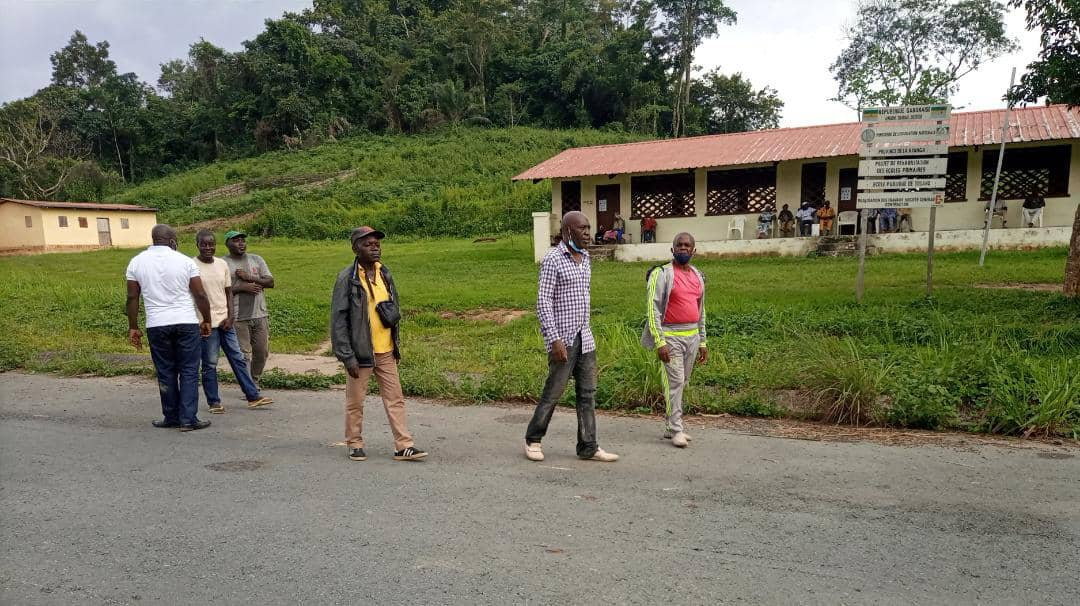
column 1056, row 73
column 729, row 104
column 41, row 154
column 916, row 51
column 687, row 24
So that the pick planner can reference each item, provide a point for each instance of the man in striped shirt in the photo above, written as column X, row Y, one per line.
column 562, row 306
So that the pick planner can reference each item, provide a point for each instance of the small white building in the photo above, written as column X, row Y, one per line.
column 708, row 185
column 32, row 226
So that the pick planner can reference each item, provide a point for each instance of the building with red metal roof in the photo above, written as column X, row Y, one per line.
column 706, row 184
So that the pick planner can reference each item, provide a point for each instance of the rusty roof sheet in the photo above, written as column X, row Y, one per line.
column 83, row 205
column 1044, row 123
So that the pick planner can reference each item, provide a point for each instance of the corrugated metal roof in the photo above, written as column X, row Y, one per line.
column 1044, row 123
column 83, row 205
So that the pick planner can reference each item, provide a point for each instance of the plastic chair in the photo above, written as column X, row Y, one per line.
column 736, row 224
column 847, row 217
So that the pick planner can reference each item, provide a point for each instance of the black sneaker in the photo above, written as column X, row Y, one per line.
column 409, row 454
column 165, row 424
column 197, row 425
column 357, row 454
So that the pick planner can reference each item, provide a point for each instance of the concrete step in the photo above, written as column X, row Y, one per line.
column 870, row 250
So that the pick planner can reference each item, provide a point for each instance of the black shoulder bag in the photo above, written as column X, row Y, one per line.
column 388, row 311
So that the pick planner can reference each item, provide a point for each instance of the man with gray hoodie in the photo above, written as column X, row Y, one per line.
column 675, row 328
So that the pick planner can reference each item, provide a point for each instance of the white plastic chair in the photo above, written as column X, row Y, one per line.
column 736, row 224
column 847, row 217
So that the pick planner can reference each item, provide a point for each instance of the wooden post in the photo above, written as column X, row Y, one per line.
column 997, row 173
column 862, row 257
column 930, row 254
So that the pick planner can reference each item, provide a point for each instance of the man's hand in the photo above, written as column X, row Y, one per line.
column 664, row 353
column 558, row 352
column 205, row 328
column 226, row 324
column 702, row 355
column 248, row 287
column 353, row 370
column 243, row 275
column 135, row 336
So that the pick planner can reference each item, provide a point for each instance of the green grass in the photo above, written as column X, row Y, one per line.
column 977, row 359
column 455, row 182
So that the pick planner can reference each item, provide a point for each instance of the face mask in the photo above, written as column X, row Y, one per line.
column 574, row 246
column 682, row 258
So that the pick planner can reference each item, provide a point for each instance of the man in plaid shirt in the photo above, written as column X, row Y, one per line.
column 562, row 306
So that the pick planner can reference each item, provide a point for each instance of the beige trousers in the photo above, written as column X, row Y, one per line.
column 386, row 375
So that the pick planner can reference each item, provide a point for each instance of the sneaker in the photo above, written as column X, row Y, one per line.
column 534, row 452
column 263, row 401
column 196, row 426
column 409, row 454
column 668, row 434
column 602, row 455
column 165, row 424
column 357, row 454
column 679, row 440
column 216, row 408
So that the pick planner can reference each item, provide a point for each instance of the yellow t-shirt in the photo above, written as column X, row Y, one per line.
column 381, row 339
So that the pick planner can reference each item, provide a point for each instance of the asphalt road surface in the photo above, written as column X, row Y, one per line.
column 98, row 507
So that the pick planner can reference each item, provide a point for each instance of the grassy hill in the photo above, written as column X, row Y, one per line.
column 452, row 182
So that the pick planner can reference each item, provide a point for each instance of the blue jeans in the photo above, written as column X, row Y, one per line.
column 211, row 346
column 175, row 351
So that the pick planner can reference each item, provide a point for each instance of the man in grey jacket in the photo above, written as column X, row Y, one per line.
column 364, row 317
column 675, row 328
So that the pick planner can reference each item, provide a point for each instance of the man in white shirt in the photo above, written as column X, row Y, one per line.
column 171, row 288
column 217, row 281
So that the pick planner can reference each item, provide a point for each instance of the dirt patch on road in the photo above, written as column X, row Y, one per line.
column 1022, row 286
column 498, row 316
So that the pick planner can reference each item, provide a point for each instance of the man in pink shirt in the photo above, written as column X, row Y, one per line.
column 675, row 328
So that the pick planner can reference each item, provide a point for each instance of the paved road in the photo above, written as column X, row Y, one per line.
column 99, row 508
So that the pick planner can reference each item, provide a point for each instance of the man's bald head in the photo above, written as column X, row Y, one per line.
column 682, row 235
column 575, row 228
column 163, row 235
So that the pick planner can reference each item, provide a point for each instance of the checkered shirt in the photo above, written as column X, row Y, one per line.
column 562, row 300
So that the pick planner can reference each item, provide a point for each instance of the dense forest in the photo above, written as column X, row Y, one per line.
column 380, row 67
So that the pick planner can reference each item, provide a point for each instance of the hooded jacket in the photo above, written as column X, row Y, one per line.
column 350, row 332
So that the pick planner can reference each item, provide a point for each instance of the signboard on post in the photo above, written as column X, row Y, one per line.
column 902, row 148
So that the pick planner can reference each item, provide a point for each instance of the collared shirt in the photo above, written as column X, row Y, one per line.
column 382, row 340
column 164, row 277
column 563, row 298
column 249, row 306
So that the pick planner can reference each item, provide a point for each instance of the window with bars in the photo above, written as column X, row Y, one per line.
column 956, row 178
column 1029, row 171
column 571, row 196
column 82, row 222
column 660, row 196
column 813, row 184
column 741, row 191
column 124, row 224
column 61, row 221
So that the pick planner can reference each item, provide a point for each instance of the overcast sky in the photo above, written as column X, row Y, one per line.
column 786, row 44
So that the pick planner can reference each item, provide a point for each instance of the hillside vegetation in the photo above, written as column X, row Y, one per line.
column 453, row 182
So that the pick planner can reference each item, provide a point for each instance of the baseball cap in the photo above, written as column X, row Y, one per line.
column 365, row 231
column 232, row 233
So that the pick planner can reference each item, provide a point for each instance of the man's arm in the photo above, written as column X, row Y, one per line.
column 654, row 303
column 230, row 319
column 545, row 305
column 134, row 334
column 703, row 352
column 202, row 302
column 340, row 331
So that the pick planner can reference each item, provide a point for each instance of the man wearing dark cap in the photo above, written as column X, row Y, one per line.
column 250, row 276
column 364, row 315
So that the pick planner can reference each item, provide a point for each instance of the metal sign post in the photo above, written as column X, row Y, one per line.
column 997, row 174
column 903, row 164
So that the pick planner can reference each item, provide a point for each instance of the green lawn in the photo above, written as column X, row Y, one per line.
column 971, row 358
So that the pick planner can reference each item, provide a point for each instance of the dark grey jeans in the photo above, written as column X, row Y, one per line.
column 582, row 366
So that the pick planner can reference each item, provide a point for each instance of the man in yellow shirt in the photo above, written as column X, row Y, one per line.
column 364, row 316
column 825, row 215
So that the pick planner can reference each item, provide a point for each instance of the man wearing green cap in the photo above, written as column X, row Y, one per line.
column 250, row 275
column 364, row 317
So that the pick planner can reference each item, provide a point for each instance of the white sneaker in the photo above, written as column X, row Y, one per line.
column 668, row 434
column 679, row 440
column 534, row 452
column 606, row 457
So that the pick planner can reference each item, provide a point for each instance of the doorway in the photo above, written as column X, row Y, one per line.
column 103, row 233
column 607, row 204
